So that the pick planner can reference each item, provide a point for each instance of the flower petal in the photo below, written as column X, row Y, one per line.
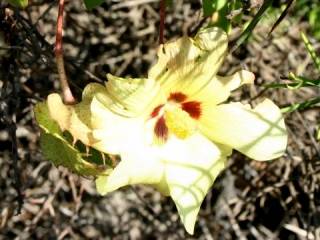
column 191, row 166
column 132, row 97
column 140, row 163
column 237, row 79
column 188, row 64
column 94, row 89
column 219, row 88
column 183, row 169
column 142, row 168
column 80, row 123
column 112, row 132
column 259, row 133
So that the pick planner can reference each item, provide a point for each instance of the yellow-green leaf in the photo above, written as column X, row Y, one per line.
column 18, row 3
column 67, row 156
column 59, row 150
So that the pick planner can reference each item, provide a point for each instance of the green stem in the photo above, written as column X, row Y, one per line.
column 311, row 51
column 301, row 106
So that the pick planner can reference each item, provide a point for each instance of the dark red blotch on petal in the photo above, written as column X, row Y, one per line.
column 156, row 111
column 177, row 97
column 193, row 108
column 161, row 129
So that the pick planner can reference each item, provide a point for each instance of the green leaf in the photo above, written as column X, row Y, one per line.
column 223, row 22
column 219, row 4
column 302, row 106
column 60, row 151
column 297, row 82
column 169, row 3
column 207, row 7
column 250, row 27
column 311, row 50
column 18, row 3
column 90, row 4
column 67, row 156
column 44, row 120
column 282, row 16
column 314, row 16
column 211, row 6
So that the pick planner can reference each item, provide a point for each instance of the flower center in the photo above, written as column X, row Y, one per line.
column 178, row 116
column 179, row 123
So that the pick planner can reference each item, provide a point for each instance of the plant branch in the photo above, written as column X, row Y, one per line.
column 162, row 20
column 249, row 29
column 66, row 92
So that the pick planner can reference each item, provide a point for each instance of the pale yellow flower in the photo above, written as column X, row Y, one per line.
column 173, row 129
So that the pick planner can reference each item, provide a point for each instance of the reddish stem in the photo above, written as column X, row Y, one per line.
column 162, row 20
column 66, row 92
column 58, row 49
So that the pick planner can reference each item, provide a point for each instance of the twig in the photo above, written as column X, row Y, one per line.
column 14, row 146
column 299, row 231
column 44, row 13
column 66, row 92
column 282, row 16
column 309, row 132
column 233, row 222
column 162, row 20
column 205, row 229
column 249, row 29
column 15, row 158
column 11, row 99
column 11, row 121
column 155, row 216
column 129, row 4
column 47, row 205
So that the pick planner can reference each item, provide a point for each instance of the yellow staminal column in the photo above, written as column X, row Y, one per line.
column 179, row 122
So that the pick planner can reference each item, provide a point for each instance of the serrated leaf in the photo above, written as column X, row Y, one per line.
column 75, row 119
column 18, row 3
column 59, row 150
column 90, row 4
column 67, row 156
column 44, row 120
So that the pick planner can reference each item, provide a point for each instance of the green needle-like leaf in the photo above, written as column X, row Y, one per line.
column 297, row 82
column 249, row 29
column 311, row 50
column 301, row 106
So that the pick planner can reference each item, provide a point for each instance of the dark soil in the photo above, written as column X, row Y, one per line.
column 250, row 200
